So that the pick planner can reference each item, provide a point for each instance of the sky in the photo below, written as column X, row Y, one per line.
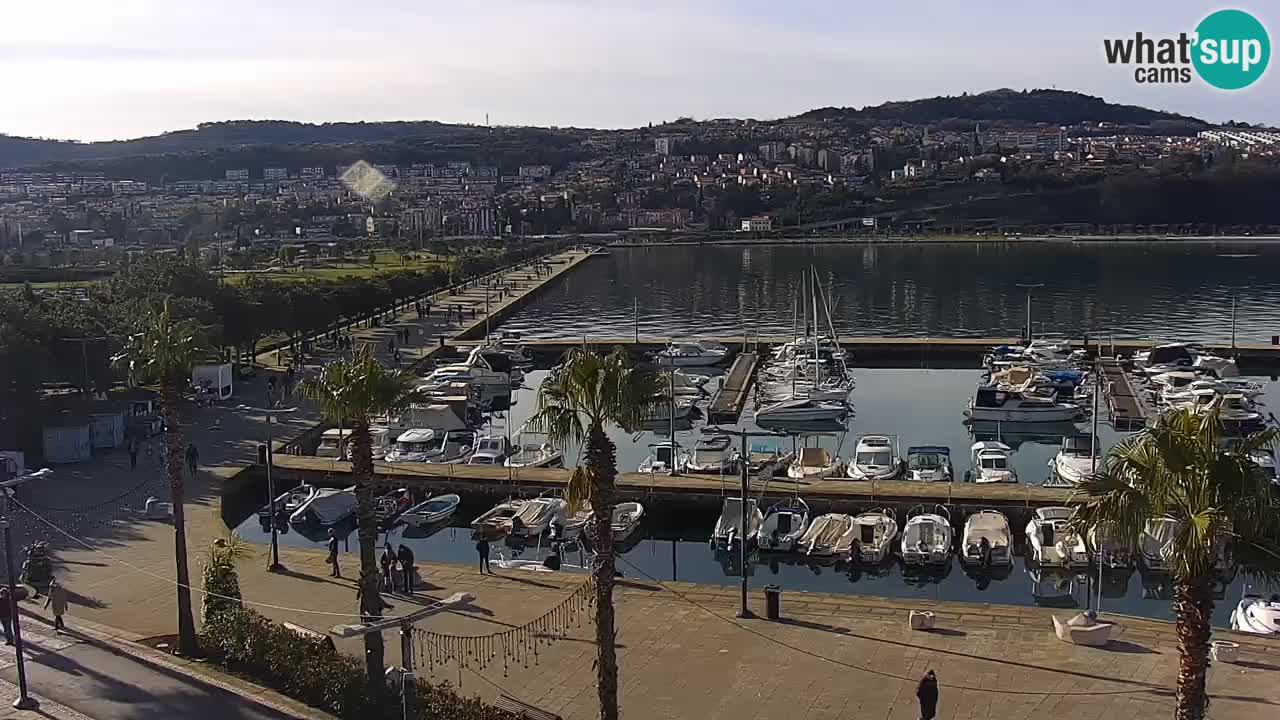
column 112, row 69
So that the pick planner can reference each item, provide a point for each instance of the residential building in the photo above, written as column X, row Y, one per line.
column 664, row 145
column 757, row 223
column 535, row 172
column 238, row 175
column 275, row 173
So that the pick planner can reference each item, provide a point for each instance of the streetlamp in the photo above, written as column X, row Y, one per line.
column 274, row 565
column 24, row 701
column 1029, row 287
column 743, row 460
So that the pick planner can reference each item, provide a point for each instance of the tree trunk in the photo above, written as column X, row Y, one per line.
column 175, row 454
column 602, row 467
column 367, row 532
column 1193, row 607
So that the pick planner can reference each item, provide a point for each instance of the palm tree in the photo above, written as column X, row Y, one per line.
column 575, row 403
column 162, row 351
column 352, row 392
column 1182, row 468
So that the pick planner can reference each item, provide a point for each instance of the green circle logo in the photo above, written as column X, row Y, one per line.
column 1232, row 49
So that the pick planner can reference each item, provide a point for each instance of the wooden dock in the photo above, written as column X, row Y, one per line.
column 729, row 400
column 1124, row 405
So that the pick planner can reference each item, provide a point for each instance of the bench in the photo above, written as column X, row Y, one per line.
column 310, row 634
column 522, row 709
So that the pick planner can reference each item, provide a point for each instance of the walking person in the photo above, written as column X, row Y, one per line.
column 58, row 601
column 927, row 693
column 133, row 455
column 193, row 460
column 388, row 561
column 6, row 614
column 333, row 554
column 406, row 567
column 482, row 547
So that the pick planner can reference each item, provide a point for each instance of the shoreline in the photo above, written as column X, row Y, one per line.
column 955, row 240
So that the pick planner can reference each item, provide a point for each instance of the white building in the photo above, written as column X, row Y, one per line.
column 275, row 173
column 238, row 175
column 757, row 223
column 664, row 145
column 535, row 172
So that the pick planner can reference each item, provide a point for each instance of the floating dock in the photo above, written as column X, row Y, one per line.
column 729, row 400
column 1125, row 406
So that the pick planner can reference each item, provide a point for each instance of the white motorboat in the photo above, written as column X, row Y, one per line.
column 874, row 459
column 685, row 383
column 784, row 524
column 990, row 461
column 664, row 457
column 434, row 510
column 1109, row 551
column 713, row 455
column 990, row 403
column 690, row 354
column 829, row 535
column 1079, row 455
column 801, row 410
column 497, row 520
column 536, row 515
column 490, row 450
column 814, row 463
column 328, row 507
column 417, row 445
column 626, row 520
column 682, row 408
column 388, row 508
column 1050, row 545
column 1166, row 358
column 1156, row 542
column 534, row 455
column 875, row 532
column 729, row 531
column 926, row 538
column 929, row 463
column 762, row 455
column 1257, row 615
column 1218, row 367
column 288, row 502
column 1265, row 460
column 987, row 540
column 576, row 522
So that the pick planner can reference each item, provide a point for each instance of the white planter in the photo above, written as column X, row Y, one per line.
column 921, row 620
column 1224, row 651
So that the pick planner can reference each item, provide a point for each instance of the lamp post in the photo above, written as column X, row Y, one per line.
column 24, row 701
column 743, row 458
column 1029, row 287
column 271, row 413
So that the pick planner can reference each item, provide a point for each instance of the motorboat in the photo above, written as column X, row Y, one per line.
column 664, row 457
column 326, row 508
column 418, row 445
column 829, row 535
column 388, row 508
column 729, row 531
column 1108, row 550
column 680, row 409
column 1215, row 366
column 784, row 524
column 497, row 520
column 926, row 538
column 874, row 459
column 691, row 354
column 1156, row 543
column 536, row 515
column 288, row 502
column 434, row 510
column 875, row 531
column 1052, row 587
column 814, row 463
column 1049, row 543
column 534, row 455
column 1076, row 461
column 336, row 443
column 626, row 520
column 801, row 410
column 986, row 540
column 1166, row 358
column 686, row 383
column 1020, row 378
column 992, row 403
column 713, row 455
column 990, row 461
column 490, row 450
column 1265, row 460
column 1257, row 615
column 761, row 456
column 929, row 463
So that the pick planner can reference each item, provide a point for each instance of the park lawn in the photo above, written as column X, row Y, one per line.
column 345, row 269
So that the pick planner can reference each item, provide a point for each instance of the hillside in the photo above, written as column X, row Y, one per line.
column 1055, row 107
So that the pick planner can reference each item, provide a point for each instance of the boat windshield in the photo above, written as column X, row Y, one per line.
column 875, row 457
column 481, row 460
column 925, row 461
column 415, row 447
column 994, row 463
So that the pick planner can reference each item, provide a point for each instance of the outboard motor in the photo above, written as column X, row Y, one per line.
column 984, row 551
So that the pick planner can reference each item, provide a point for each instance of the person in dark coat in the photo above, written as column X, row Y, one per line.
column 388, row 561
column 927, row 693
column 482, row 547
column 6, row 614
column 333, row 554
column 406, row 567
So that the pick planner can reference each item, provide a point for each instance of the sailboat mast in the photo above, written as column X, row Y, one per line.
column 814, row 299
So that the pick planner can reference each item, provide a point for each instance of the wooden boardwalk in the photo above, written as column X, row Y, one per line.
column 1125, row 406
column 727, row 404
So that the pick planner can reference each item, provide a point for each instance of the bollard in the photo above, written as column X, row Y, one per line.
column 262, row 456
column 773, row 602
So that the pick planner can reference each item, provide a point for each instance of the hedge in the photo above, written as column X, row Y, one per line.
column 310, row 671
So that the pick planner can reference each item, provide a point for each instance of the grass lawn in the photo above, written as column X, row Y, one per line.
column 52, row 284
column 385, row 264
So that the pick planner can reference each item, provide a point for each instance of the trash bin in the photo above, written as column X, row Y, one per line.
column 772, row 601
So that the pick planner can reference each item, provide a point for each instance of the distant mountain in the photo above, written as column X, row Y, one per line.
column 1054, row 107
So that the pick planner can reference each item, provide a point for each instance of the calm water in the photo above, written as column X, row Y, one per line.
column 1171, row 290
column 919, row 407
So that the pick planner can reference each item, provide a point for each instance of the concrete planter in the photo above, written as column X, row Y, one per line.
column 921, row 620
column 1224, row 651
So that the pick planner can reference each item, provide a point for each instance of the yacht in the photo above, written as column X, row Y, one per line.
column 929, row 463
column 713, row 455
column 536, row 515
column 1079, row 456
column 1048, row 542
column 990, row 460
column 666, row 456
column 1257, row 615
column 801, row 410
column 420, row 445
column 690, row 354
column 926, row 538
column 429, row 512
column 991, row 403
column 987, row 540
column 814, row 463
column 289, row 502
column 326, row 508
column 626, row 520
column 828, row 535
column 490, row 450
column 874, row 459
column 875, row 532
column 784, row 523
column 729, row 531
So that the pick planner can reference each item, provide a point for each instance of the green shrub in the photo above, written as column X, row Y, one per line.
column 311, row 671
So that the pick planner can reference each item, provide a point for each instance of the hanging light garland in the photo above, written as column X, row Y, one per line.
column 517, row 646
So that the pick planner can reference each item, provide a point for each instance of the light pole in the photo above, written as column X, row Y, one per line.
column 24, row 701
column 270, row 413
column 1029, row 287
column 743, row 460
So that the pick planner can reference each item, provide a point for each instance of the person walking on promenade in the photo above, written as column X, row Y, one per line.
column 406, row 567
column 333, row 554
column 133, row 455
column 927, row 693
column 388, row 561
column 58, row 601
column 482, row 547
column 6, row 614
column 193, row 460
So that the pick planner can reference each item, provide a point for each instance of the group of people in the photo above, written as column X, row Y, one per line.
column 397, row 565
column 282, row 388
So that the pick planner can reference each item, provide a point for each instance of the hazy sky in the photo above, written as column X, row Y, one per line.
column 101, row 69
